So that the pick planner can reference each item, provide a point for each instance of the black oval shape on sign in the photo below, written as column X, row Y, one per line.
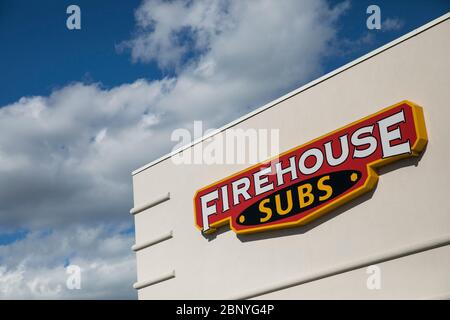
column 286, row 202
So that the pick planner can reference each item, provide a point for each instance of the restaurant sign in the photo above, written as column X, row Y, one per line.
column 308, row 181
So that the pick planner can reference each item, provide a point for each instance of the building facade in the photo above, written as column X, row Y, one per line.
column 390, row 242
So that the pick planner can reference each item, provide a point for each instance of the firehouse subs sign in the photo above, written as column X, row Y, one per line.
column 310, row 180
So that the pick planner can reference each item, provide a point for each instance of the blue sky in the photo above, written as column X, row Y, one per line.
column 78, row 114
column 10, row 237
column 39, row 54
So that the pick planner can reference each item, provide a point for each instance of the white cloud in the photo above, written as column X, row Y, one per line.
column 34, row 268
column 65, row 159
column 250, row 52
column 392, row 24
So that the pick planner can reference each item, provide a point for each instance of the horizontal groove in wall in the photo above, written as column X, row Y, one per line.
column 150, row 204
column 365, row 262
column 161, row 278
column 161, row 238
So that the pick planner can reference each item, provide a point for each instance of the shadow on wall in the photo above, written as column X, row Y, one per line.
column 414, row 161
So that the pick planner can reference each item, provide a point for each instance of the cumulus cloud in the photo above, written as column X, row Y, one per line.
column 248, row 52
column 65, row 159
column 37, row 266
column 392, row 24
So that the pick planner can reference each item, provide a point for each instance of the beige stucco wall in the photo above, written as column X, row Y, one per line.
column 410, row 205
